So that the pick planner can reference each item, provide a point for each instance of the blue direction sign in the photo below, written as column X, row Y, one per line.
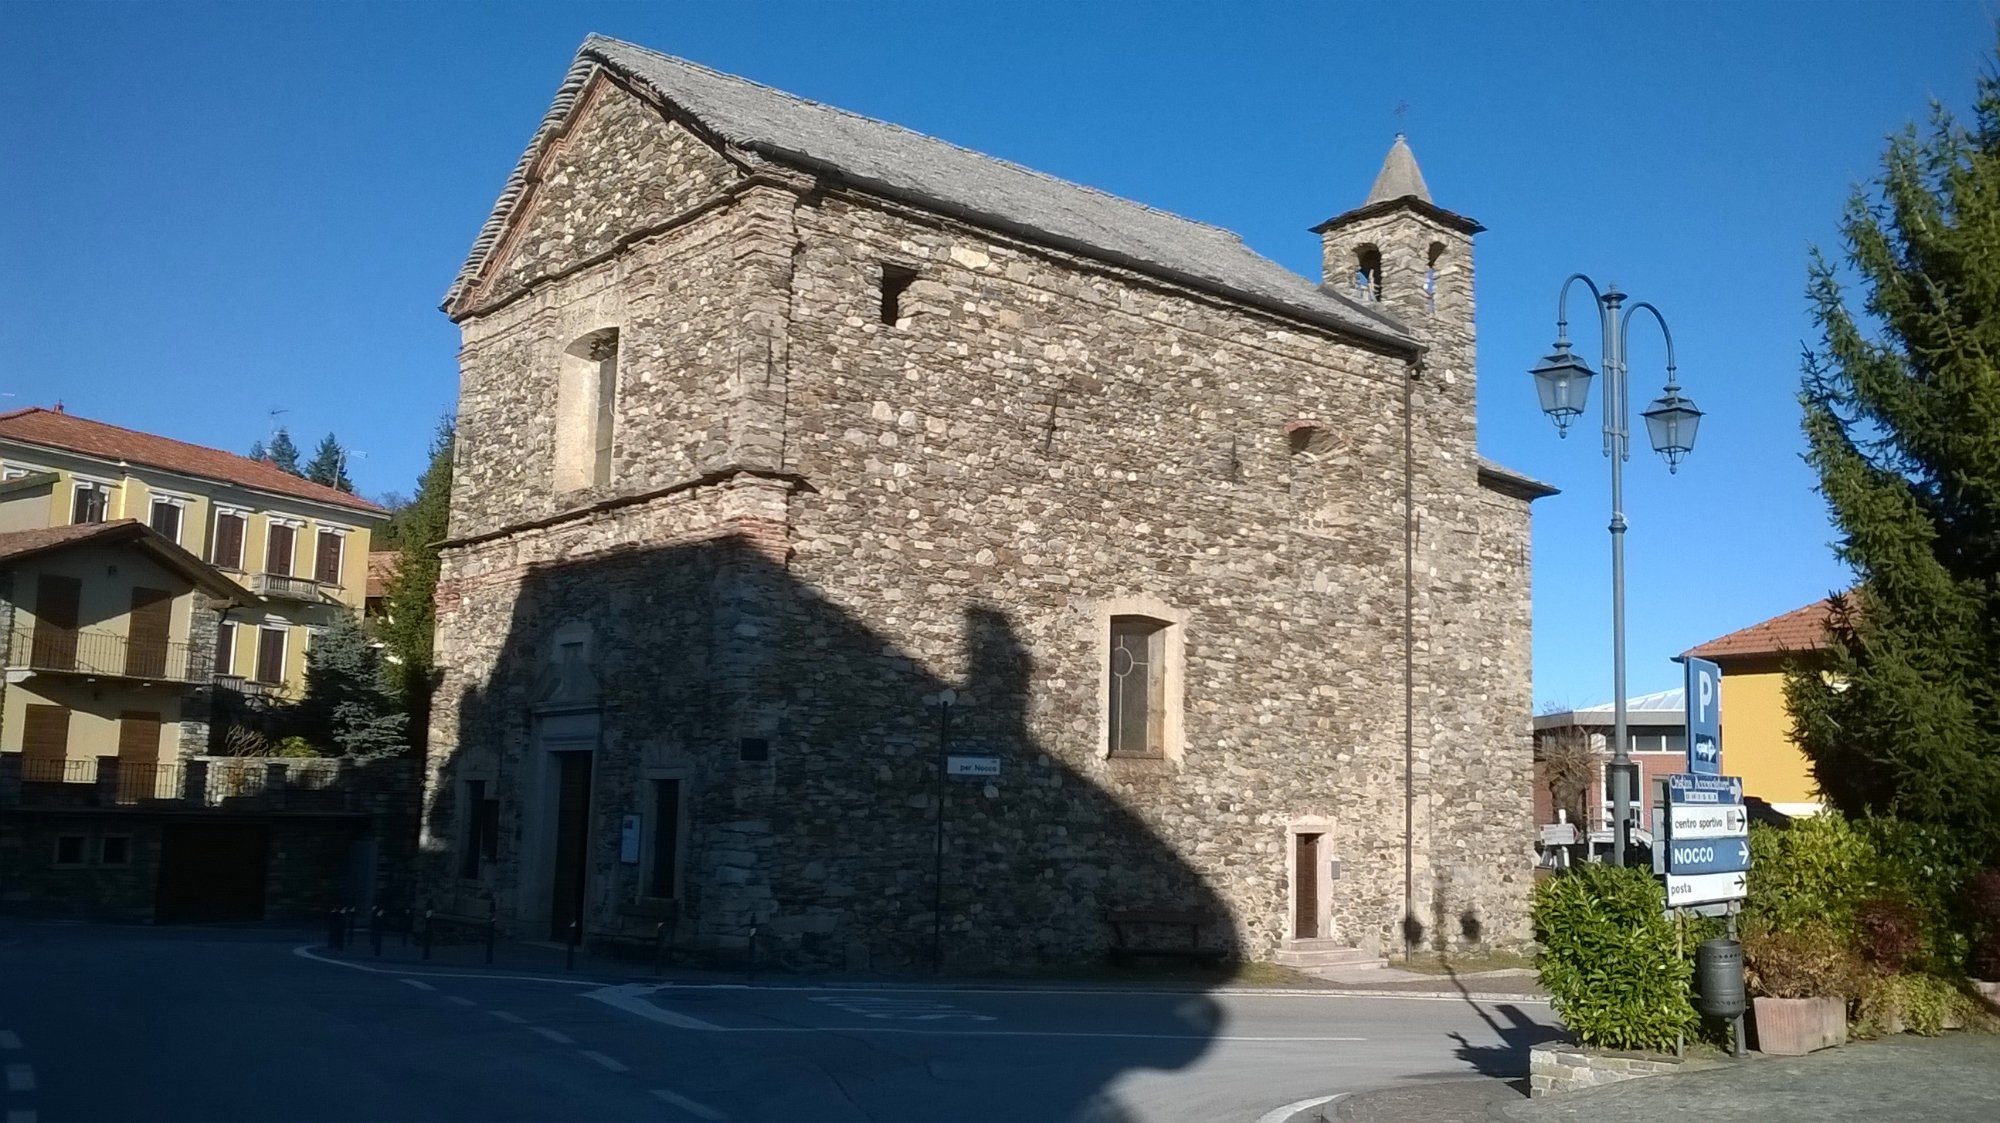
column 1685, row 788
column 1709, row 855
column 1703, row 701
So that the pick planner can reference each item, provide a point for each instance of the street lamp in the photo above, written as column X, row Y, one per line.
column 1562, row 382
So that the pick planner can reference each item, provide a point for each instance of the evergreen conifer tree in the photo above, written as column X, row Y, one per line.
column 1902, row 420
column 283, row 452
column 348, row 702
column 257, row 451
column 412, row 622
column 329, row 465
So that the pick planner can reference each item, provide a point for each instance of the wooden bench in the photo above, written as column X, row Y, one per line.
column 1125, row 947
column 472, row 912
column 647, row 923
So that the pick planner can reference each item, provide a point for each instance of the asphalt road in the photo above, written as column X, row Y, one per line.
column 104, row 1023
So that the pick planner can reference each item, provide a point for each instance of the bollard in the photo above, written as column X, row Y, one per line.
column 426, row 938
column 347, row 937
column 569, row 953
column 375, row 931
column 334, row 930
column 489, row 939
column 750, row 960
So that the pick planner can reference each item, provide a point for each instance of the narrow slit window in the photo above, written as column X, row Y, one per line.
column 1368, row 273
column 1138, row 686
column 895, row 280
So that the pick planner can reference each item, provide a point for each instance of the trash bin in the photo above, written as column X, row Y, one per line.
column 1718, row 977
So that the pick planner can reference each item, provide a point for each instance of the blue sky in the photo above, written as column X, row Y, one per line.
column 215, row 211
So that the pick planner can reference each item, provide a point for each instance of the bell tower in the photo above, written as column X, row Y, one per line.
column 1404, row 254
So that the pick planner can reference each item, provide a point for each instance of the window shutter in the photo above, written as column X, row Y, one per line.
column 167, row 519
column 57, row 603
column 326, row 568
column 146, row 634
column 271, row 655
column 227, row 549
column 278, row 551
column 225, row 648
column 44, row 737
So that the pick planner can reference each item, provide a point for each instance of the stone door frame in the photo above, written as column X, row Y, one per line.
column 1321, row 826
column 552, row 732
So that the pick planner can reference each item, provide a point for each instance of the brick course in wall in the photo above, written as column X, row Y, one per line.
column 819, row 523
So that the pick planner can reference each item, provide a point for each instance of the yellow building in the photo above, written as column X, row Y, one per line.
column 1757, row 741
column 109, row 631
column 300, row 547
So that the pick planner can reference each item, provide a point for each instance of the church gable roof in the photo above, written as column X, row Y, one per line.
column 890, row 160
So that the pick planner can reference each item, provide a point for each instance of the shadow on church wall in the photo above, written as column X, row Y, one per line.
column 807, row 747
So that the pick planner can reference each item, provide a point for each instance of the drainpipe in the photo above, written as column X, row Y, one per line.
column 1409, row 661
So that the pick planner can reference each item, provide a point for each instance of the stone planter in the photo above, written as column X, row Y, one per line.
column 1793, row 1027
column 1988, row 991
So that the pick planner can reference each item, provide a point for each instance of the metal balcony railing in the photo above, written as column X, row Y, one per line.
column 285, row 588
column 223, row 783
column 82, row 651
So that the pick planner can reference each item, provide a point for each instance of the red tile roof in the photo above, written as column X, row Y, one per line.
column 53, row 429
column 18, row 544
column 1801, row 629
column 382, row 566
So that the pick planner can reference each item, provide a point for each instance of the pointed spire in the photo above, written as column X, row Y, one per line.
column 1399, row 177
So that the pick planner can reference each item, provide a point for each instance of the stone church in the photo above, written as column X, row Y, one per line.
column 908, row 557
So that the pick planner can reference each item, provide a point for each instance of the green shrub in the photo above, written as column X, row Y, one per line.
column 1615, row 970
column 295, row 747
column 1919, row 1003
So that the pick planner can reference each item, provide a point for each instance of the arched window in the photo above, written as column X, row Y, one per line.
column 1368, row 273
column 587, row 411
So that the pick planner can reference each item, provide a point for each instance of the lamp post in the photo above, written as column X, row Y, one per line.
column 1563, row 383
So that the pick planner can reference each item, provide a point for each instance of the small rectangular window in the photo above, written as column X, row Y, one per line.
column 326, row 560
column 489, row 830
column 753, row 749
column 167, row 519
column 70, row 849
column 896, row 280
column 226, row 548
column 91, row 503
column 114, row 850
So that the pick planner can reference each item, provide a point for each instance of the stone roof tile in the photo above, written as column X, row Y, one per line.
column 899, row 163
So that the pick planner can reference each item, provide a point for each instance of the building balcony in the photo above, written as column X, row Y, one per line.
column 278, row 586
column 43, row 650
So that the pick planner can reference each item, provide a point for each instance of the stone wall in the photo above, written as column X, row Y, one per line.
column 958, row 500
column 1553, row 1070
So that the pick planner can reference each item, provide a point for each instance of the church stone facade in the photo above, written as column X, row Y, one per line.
column 818, row 482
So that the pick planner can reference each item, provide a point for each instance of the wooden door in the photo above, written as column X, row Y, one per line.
column 58, row 604
column 572, row 843
column 146, row 633
column 1305, row 887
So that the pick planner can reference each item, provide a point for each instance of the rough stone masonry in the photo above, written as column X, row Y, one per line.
column 798, row 453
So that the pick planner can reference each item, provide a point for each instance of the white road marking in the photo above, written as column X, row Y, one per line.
column 1283, row 1114
column 305, row 951
column 552, row 1035
column 627, row 998
column 507, row 1017
column 460, row 1001
column 693, row 1107
column 608, row 1062
column 20, row 1116
column 9, row 1039
column 418, row 983
column 20, row 1078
